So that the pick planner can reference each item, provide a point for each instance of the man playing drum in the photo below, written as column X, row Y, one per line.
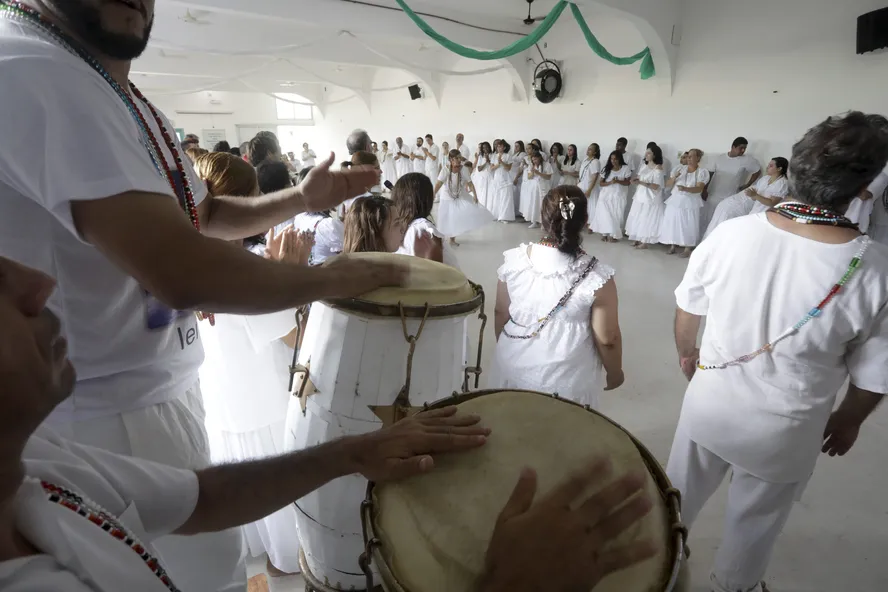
column 764, row 382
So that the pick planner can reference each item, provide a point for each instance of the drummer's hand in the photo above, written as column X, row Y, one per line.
column 323, row 189
column 550, row 546
column 407, row 448
column 354, row 277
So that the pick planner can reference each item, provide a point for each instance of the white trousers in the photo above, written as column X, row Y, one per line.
column 173, row 433
column 756, row 513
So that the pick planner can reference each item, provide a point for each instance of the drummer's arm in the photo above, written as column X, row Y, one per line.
column 501, row 308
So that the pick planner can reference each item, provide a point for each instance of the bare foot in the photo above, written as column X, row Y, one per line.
column 453, row 242
column 671, row 250
column 641, row 247
column 686, row 253
column 604, row 238
column 613, row 240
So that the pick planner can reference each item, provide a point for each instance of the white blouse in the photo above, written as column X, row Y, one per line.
column 328, row 235
column 779, row 188
column 575, row 167
column 588, row 170
column 645, row 195
column 501, row 175
column 682, row 199
column 455, row 185
column 424, row 225
column 563, row 358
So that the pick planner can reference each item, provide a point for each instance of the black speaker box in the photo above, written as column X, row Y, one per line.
column 415, row 92
column 872, row 31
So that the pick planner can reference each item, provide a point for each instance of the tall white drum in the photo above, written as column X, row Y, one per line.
column 363, row 359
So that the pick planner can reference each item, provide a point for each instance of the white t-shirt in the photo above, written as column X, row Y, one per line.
column 150, row 501
column 419, row 163
column 423, row 225
column 308, row 158
column 752, row 281
column 588, row 170
column 732, row 172
column 465, row 152
column 433, row 165
column 68, row 137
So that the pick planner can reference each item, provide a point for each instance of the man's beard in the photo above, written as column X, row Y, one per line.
column 86, row 23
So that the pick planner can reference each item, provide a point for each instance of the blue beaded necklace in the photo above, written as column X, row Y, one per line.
column 18, row 12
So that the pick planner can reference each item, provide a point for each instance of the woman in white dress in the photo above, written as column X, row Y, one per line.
column 519, row 163
column 681, row 220
column 570, row 168
column 500, row 200
column 309, row 158
column 536, row 184
column 556, row 159
column 768, row 191
column 556, row 318
column 444, row 159
column 387, row 161
column 413, row 198
column 646, row 215
column 458, row 211
column 244, row 377
column 482, row 178
column 613, row 199
column 590, row 171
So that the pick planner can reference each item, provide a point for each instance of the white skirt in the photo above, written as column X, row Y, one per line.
column 732, row 207
column 644, row 221
column 516, row 196
column 388, row 172
column 458, row 216
column 680, row 226
column 710, row 205
column 609, row 212
column 481, row 181
column 500, row 201
column 531, row 201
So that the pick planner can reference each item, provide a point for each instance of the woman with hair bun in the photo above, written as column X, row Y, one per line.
column 557, row 325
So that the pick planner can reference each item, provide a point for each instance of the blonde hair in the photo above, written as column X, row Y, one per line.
column 365, row 225
column 195, row 152
column 226, row 174
column 698, row 152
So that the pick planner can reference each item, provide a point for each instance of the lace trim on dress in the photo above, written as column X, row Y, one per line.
column 516, row 261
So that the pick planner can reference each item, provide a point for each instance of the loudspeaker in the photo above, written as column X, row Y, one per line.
column 415, row 92
column 872, row 31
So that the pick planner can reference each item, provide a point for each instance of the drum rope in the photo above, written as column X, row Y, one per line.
column 402, row 401
column 294, row 367
column 476, row 370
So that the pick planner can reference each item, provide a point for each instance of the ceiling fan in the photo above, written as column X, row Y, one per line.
column 531, row 19
column 195, row 17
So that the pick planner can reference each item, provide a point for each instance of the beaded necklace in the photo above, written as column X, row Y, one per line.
column 541, row 323
column 803, row 214
column 18, row 12
column 458, row 174
column 109, row 523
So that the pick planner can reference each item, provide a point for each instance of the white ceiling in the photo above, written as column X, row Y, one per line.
column 298, row 45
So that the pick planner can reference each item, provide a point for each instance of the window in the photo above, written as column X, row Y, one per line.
column 291, row 111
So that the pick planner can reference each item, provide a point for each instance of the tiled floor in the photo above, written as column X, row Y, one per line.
column 837, row 537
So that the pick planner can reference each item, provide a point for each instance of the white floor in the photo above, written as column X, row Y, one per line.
column 837, row 537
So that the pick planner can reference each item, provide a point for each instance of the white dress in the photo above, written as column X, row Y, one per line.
column 556, row 172
column 483, row 181
column 532, row 193
column 421, row 225
column 588, row 171
column 403, row 164
column 457, row 212
column 387, row 163
column 244, row 379
column 308, row 158
column 741, row 205
column 646, row 214
column 328, row 235
column 611, row 206
column 563, row 358
column 433, row 165
column 519, row 161
column 500, row 200
column 681, row 220
column 566, row 166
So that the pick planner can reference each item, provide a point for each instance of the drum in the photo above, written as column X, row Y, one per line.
column 430, row 533
column 363, row 360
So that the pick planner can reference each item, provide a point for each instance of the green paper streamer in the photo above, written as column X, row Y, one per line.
column 647, row 68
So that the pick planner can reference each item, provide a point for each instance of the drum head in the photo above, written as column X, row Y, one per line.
column 434, row 529
column 429, row 282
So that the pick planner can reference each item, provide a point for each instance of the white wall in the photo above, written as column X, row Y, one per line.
column 733, row 56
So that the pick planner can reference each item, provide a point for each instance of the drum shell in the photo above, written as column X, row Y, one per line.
column 678, row 577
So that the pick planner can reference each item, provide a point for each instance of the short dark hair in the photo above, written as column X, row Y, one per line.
column 236, row 151
column 222, row 146
column 622, row 141
column 740, row 141
column 657, row 152
column 838, row 158
column 782, row 164
column 429, row 137
column 263, row 147
column 413, row 198
column 567, row 234
column 358, row 140
column 651, row 144
column 273, row 176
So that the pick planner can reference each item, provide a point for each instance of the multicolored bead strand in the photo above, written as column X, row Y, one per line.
column 815, row 312
column 806, row 214
column 109, row 523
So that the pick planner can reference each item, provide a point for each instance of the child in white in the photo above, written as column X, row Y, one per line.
column 537, row 180
column 570, row 167
column 413, row 199
column 500, row 201
column 613, row 199
column 681, row 220
column 458, row 211
column 646, row 215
